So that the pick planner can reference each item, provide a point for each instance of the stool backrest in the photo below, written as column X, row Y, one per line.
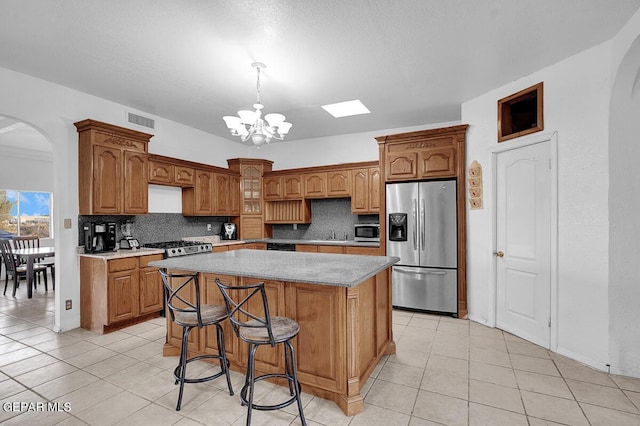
column 179, row 294
column 237, row 307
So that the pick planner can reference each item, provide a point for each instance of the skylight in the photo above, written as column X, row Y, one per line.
column 346, row 109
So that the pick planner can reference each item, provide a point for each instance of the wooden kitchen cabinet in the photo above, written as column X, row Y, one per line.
column 365, row 190
column 251, row 222
column 211, row 295
column 118, row 292
column 221, row 192
column 234, row 196
column 112, row 169
column 151, row 289
column 184, row 176
column 315, row 185
column 429, row 157
column 339, row 183
column 161, row 173
column 214, row 194
column 204, row 193
column 292, row 185
column 273, row 188
column 170, row 174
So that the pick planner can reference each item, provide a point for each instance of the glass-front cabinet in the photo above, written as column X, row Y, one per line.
column 251, row 187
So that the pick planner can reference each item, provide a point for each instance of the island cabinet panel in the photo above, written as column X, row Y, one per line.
column 212, row 295
column 365, row 317
column 268, row 359
column 320, row 345
column 383, row 310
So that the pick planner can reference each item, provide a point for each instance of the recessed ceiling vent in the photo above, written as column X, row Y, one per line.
column 141, row 121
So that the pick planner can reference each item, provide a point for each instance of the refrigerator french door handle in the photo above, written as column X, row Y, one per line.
column 402, row 270
column 423, row 222
column 415, row 224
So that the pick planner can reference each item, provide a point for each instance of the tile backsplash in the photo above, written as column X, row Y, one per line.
column 157, row 227
column 333, row 214
column 327, row 215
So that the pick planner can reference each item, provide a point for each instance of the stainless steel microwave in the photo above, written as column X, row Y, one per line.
column 366, row 232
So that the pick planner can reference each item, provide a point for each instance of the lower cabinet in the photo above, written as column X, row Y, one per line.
column 118, row 292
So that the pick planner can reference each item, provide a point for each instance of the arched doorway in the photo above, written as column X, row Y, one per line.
column 624, row 204
column 26, row 178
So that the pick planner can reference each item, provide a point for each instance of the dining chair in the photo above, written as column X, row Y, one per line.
column 258, row 329
column 13, row 269
column 34, row 242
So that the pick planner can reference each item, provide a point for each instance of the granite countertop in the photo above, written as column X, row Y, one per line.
column 215, row 240
column 120, row 254
column 342, row 270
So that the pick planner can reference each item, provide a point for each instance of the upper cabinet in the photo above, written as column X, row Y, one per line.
column 365, row 190
column 339, row 183
column 167, row 172
column 112, row 169
column 423, row 155
column 215, row 193
column 251, row 223
column 315, row 185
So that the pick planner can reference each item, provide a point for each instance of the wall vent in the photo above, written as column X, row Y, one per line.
column 141, row 121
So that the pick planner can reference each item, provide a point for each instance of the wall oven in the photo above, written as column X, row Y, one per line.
column 366, row 232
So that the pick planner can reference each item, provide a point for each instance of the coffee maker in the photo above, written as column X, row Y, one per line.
column 228, row 231
column 99, row 237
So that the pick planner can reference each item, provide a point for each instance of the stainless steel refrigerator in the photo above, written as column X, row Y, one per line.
column 422, row 232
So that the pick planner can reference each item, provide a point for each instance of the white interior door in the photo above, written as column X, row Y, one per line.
column 523, row 242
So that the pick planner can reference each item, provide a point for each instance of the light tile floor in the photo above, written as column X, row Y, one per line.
column 446, row 371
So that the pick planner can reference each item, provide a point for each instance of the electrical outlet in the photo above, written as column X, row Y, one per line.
column 67, row 304
column 208, row 227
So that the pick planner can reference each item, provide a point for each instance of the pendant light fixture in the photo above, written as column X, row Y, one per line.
column 251, row 125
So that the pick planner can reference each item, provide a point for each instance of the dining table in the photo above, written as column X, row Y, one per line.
column 29, row 255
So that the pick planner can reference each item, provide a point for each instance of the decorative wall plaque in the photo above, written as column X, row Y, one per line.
column 474, row 181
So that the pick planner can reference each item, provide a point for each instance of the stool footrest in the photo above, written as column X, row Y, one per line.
column 245, row 388
column 176, row 372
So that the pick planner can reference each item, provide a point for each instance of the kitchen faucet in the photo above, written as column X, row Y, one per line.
column 332, row 236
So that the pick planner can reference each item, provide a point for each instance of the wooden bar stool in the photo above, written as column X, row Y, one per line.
column 262, row 330
column 189, row 315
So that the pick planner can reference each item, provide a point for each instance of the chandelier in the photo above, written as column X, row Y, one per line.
column 251, row 125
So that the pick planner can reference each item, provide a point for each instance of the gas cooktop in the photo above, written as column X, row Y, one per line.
column 181, row 248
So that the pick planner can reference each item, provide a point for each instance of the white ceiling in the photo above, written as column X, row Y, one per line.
column 412, row 62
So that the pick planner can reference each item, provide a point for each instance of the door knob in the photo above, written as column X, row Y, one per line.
column 499, row 253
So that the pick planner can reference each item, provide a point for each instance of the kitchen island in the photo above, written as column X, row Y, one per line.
column 342, row 303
